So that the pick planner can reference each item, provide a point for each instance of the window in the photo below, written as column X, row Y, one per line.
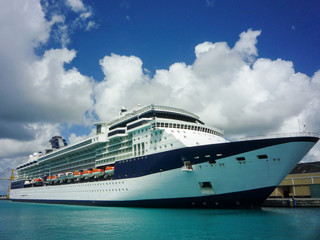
column 98, row 129
column 142, row 148
column 264, row 156
column 135, row 150
column 241, row 158
column 212, row 161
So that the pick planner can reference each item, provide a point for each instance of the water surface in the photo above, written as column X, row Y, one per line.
column 46, row 221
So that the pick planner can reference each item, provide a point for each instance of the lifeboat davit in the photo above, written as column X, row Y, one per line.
column 97, row 172
column 109, row 170
column 87, row 173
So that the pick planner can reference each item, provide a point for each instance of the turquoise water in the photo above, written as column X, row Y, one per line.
column 45, row 221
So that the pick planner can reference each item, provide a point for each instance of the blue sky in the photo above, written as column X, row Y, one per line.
column 248, row 67
column 164, row 32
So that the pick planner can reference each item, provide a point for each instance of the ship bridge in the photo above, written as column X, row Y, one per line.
column 154, row 111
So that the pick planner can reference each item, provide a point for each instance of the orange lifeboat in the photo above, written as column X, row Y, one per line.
column 87, row 173
column 37, row 181
column 77, row 174
column 49, row 179
column 54, row 178
column 109, row 170
column 97, row 172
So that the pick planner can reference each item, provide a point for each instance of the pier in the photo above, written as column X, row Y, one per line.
column 3, row 197
column 301, row 188
column 292, row 202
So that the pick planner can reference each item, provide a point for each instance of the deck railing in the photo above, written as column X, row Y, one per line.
column 282, row 135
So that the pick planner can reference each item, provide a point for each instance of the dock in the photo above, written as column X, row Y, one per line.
column 292, row 202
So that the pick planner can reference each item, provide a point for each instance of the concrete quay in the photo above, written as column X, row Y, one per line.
column 292, row 202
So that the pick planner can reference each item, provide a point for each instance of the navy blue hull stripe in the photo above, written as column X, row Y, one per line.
column 244, row 199
column 140, row 166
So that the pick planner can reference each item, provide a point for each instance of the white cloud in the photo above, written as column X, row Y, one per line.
column 36, row 89
column 76, row 5
column 85, row 14
column 246, row 45
column 91, row 25
column 60, row 94
column 23, row 28
column 123, row 74
column 203, row 48
column 226, row 90
column 43, row 133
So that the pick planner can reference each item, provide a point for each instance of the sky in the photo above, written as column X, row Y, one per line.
column 247, row 67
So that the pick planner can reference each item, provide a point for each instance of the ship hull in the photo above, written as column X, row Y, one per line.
column 227, row 175
column 246, row 199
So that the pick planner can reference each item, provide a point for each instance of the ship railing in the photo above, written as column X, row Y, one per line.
column 282, row 135
column 139, row 111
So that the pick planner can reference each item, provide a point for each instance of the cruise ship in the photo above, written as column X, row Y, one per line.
column 159, row 156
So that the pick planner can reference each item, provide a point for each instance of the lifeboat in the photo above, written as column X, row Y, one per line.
column 87, row 173
column 37, row 181
column 69, row 175
column 97, row 172
column 77, row 174
column 54, row 178
column 61, row 176
column 27, row 183
column 109, row 170
column 49, row 179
